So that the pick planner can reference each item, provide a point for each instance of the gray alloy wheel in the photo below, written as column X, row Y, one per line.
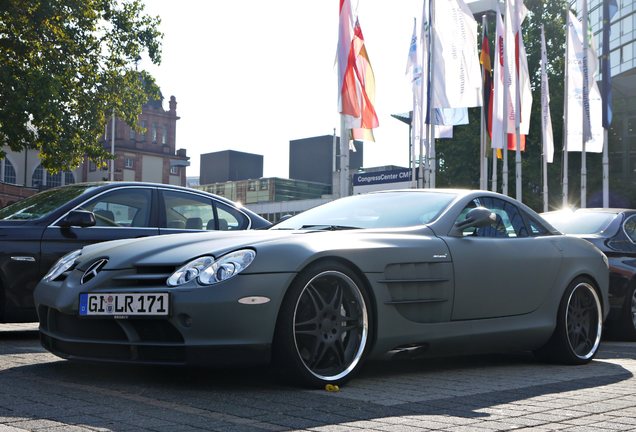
column 577, row 335
column 583, row 321
column 324, row 327
column 330, row 325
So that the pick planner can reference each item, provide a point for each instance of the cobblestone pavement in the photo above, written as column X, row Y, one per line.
column 40, row 392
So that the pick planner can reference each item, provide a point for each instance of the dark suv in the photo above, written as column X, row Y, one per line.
column 37, row 231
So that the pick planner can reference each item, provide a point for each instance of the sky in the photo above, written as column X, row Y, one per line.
column 251, row 75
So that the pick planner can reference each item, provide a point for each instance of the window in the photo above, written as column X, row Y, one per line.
column 230, row 218
column 44, row 179
column 509, row 220
column 629, row 226
column 128, row 207
column 154, row 132
column 174, row 170
column 142, row 134
column 188, row 211
column 132, row 134
column 164, row 134
column 92, row 166
column 9, row 172
column 129, row 163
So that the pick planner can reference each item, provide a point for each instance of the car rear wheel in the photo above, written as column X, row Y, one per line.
column 323, row 329
column 579, row 322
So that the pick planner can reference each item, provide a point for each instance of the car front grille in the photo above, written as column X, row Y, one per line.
column 133, row 341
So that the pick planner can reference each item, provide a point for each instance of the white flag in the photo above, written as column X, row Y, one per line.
column 516, row 12
column 546, row 119
column 498, row 136
column 575, row 74
column 456, row 74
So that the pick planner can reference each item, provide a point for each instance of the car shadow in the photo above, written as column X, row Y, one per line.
column 123, row 397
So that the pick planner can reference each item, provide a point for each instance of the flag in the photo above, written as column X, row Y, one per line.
column 498, row 91
column 610, row 8
column 484, row 59
column 575, row 96
column 456, row 75
column 345, row 35
column 518, row 74
column 546, row 119
column 358, row 93
column 414, row 71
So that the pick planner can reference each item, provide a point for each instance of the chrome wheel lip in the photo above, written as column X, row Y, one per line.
column 599, row 324
column 365, row 326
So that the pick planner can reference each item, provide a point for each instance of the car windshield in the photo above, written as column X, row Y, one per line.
column 43, row 203
column 374, row 210
column 569, row 222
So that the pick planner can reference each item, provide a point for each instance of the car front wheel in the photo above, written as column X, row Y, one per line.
column 579, row 322
column 323, row 327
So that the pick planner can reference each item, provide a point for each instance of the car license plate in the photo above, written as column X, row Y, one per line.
column 124, row 304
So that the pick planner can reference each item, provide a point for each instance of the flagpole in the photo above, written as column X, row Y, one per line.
column 483, row 161
column 494, row 170
column 518, row 186
column 586, row 107
column 544, row 156
column 565, row 114
column 432, row 164
column 344, row 158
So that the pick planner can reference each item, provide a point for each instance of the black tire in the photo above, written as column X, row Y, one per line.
column 626, row 325
column 577, row 335
column 324, row 325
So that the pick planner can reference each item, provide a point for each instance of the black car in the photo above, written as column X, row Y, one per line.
column 613, row 231
column 37, row 231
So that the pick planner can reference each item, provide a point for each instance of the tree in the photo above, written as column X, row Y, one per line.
column 65, row 67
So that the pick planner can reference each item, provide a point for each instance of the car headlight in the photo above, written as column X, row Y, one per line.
column 208, row 271
column 63, row 264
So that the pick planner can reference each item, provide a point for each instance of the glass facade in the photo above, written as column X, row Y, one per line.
column 267, row 190
column 622, row 131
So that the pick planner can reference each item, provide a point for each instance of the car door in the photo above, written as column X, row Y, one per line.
column 125, row 212
column 502, row 270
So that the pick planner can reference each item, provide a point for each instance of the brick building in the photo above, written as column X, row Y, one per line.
column 150, row 156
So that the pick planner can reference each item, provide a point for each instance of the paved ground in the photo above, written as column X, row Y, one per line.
column 39, row 392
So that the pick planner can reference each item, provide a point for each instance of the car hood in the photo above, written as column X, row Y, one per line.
column 174, row 249
column 279, row 250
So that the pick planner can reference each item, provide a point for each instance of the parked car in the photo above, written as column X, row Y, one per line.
column 613, row 231
column 320, row 292
column 37, row 231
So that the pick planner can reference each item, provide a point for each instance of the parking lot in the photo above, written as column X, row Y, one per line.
column 40, row 392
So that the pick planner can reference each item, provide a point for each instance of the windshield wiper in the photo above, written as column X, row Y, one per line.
column 328, row 227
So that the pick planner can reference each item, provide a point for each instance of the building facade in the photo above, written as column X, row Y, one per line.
column 230, row 165
column 147, row 156
column 312, row 159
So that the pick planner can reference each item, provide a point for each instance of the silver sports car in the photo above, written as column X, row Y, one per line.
column 447, row 271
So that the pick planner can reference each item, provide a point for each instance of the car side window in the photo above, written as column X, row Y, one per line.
column 629, row 226
column 187, row 211
column 509, row 221
column 127, row 207
column 230, row 219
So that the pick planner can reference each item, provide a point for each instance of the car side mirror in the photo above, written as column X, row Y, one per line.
column 475, row 218
column 79, row 218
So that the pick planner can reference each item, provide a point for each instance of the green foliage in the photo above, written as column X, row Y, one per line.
column 65, row 66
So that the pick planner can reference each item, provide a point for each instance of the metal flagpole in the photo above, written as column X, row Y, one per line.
column 344, row 158
column 518, row 185
column 112, row 147
column 586, row 108
column 430, row 134
column 565, row 115
column 483, row 162
column 494, row 170
column 544, row 156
